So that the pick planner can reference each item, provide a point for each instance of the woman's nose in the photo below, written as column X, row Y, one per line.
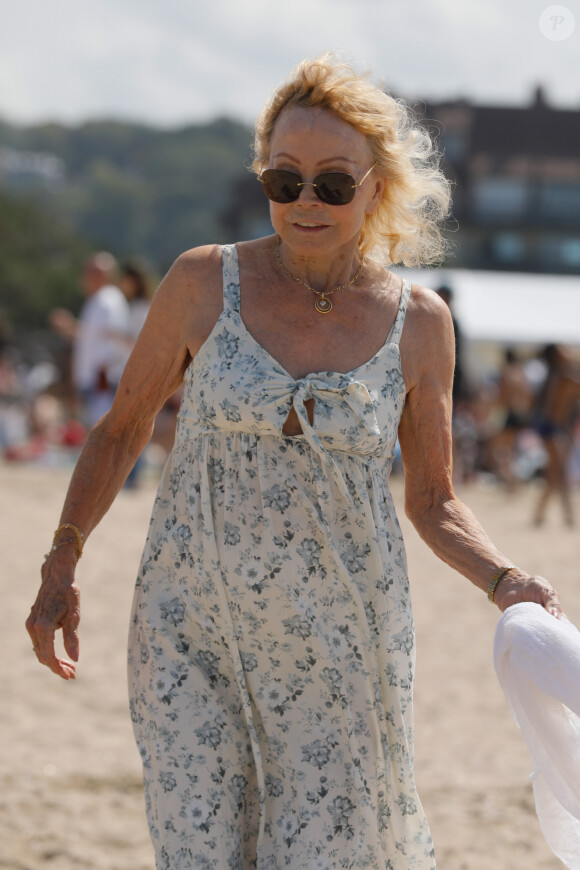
column 308, row 192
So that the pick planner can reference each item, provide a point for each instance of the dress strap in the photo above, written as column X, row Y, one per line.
column 231, row 278
column 397, row 327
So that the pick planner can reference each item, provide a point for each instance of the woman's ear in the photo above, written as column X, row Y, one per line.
column 375, row 200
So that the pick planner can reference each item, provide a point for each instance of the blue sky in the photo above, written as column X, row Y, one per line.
column 172, row 62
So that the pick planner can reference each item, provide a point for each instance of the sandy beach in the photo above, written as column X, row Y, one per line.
column 70, row 795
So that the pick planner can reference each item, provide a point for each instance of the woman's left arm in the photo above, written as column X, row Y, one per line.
column 444, row 522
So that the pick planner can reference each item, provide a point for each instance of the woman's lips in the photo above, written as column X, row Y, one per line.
column 309, row 226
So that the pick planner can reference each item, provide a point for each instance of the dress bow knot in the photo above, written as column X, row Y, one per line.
column 344, row 416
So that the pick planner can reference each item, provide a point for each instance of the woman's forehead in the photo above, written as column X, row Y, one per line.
column 313, row 127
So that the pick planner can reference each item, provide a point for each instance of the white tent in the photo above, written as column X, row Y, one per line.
column 510, row 307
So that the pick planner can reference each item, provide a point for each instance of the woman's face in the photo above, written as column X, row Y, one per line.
column 310, row 141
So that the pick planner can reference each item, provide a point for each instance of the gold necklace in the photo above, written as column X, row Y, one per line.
column 323, row 302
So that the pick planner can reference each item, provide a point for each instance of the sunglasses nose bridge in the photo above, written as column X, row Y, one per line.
column 312, row 194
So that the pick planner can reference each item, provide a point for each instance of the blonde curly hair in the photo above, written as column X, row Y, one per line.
column 406, row 227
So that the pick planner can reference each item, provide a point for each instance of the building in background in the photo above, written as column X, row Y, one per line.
column 516, row 175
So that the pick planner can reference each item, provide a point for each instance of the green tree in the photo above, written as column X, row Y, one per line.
column 141, row 191
column 40, row 264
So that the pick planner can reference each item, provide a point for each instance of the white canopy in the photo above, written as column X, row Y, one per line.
column 509, row 307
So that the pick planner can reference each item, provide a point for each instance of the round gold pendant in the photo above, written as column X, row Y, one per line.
column 323, row 304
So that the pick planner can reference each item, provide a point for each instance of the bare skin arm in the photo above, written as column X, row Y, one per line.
column 180, row 317
column 444, row 522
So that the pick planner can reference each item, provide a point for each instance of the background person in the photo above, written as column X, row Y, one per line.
column 134, row 283
column 557, row 411
column 515, row 397
column 272, row 643
column 98, row 354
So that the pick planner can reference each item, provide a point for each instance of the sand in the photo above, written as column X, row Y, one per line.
column 70, row 792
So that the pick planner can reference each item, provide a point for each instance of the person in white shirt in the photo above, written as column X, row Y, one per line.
column 98, row 355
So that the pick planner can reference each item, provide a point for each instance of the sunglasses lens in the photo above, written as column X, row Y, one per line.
column 335, row 188
column 280, row 185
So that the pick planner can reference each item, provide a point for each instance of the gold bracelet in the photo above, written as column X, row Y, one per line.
column 493, row 583
column 78, row 537
column 56, row 547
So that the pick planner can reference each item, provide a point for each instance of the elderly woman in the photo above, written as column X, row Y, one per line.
column 272, row 647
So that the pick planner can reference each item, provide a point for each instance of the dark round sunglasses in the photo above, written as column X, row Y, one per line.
column 333, row 188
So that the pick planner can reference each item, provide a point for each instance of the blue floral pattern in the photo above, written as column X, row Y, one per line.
column 272, row 644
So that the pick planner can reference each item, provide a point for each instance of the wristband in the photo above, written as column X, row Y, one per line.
column 493, row 583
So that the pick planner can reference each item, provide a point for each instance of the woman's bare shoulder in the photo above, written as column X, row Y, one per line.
column 201, row 267
column 196, row 266
column 428, row 339
column 193, row 280
column 427, row 314
column 426, row 302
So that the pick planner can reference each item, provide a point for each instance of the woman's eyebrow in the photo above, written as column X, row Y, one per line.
column 337, row 159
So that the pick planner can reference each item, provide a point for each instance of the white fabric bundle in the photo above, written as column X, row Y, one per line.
column 537, row 661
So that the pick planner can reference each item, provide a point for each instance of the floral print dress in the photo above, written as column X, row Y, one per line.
column 272, row 645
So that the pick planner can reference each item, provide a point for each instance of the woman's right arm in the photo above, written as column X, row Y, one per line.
column 180, row 317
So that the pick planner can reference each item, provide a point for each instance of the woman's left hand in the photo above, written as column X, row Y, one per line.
column 516, row 586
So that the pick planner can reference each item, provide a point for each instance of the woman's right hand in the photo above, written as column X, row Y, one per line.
column 57, row 606
column 516, row 587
